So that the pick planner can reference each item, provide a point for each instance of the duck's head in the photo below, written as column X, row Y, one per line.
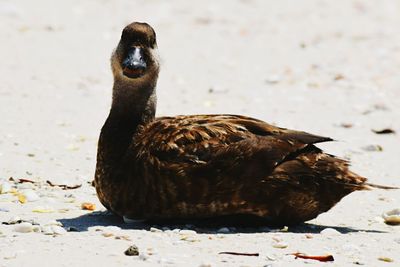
column 136, row 54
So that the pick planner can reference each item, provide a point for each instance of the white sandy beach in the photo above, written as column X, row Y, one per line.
column 326, row 67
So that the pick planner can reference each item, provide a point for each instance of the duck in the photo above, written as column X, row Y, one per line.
column 205, row 166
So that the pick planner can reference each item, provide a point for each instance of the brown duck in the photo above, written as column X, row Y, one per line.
column 203, row 166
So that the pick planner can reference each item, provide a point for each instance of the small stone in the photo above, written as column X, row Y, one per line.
column 88, row 206
column 132, row 251
column 108, row 234
column 392, row 217
column 270, row 257
column 187, row 232
column 330, row 232
column 24, row 227
column 155, row 230
column 279, row 245
column 386, row 259
column 223, row 230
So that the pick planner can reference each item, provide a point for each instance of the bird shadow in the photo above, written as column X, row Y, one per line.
column 231, row 224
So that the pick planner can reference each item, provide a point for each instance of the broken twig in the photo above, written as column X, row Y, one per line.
column 239, row 253
column 318, row 258
column 64, row 186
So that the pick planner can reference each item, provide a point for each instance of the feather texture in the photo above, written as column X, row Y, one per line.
column 203, row 166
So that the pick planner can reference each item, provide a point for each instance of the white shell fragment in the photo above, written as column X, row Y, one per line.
column 392, row 217
column 330, row 232
column 24, row 227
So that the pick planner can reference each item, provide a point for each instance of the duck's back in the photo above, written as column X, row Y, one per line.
column 211, row 165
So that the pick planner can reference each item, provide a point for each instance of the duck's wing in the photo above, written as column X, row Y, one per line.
column 218, row 145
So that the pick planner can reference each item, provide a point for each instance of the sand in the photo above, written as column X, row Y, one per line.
column 327, row 67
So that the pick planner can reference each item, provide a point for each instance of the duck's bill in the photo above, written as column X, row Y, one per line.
column 134, row 65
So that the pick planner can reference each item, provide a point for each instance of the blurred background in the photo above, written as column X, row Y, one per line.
column 328, row 67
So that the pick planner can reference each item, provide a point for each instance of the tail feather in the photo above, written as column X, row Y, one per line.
column 370, row 186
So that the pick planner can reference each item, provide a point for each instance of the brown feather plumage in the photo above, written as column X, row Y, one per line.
column 209, row 165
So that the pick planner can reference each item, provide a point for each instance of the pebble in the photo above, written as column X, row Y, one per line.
column 279, row 245
column 155, row 230
column 187, row 232
column 132, row 251
column 330, row 232
column 24, row 227
column 385, row 259
column 392, row 217
column 223, row 230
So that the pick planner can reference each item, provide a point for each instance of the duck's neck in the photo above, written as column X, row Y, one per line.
column 134, row 104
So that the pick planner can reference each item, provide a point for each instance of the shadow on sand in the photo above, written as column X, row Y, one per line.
column 242, row 224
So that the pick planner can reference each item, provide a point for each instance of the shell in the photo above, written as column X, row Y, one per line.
column 392, row 217
column 24, row 227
